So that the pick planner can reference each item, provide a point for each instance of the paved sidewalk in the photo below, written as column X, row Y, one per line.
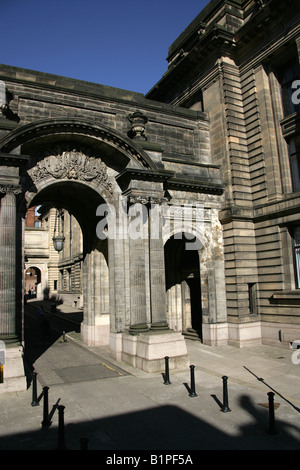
column 130, row 410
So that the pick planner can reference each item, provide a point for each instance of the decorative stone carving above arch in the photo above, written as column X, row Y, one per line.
column 72, row 165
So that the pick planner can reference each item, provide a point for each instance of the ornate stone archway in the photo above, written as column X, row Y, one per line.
column 113, row 167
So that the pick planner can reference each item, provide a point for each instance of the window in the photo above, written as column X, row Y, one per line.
column 296, row 245
column 252, row 298
column 294, row 153
column 61, row 279
column 287, row 74
column 70, row 236
column 69, row 278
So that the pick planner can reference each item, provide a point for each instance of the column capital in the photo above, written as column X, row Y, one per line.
column 10, row 189
column 147, row 200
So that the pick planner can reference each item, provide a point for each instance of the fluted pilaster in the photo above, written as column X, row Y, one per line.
column 137, row 268
column 157, row 270
column 8, row 260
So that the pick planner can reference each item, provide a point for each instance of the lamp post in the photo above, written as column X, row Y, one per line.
column 58, row 240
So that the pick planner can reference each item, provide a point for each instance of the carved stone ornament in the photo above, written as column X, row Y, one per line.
column 72, row 165
column 138, row 199
column 9, row 188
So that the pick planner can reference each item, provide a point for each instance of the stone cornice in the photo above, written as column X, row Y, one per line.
column 214, row 34
column 281, row 210
column 195, row 185
column 34, row 80
column 129, row 174
column 9, row 159
column 291, row 125
column 216, row 40
column 170, row 180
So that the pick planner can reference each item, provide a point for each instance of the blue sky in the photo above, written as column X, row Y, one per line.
column 123, row 44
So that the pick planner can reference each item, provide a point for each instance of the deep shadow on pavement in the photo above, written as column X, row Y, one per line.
column 160, row 428
column 117, row 412
column 35, row 340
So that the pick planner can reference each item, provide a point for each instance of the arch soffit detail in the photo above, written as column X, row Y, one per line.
column 29, row 265
column 199, row 244
column 107, row 195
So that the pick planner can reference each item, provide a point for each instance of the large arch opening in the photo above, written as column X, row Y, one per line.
column 183, row 285
column 72, row 206
column 73, row 166
column 76, row 167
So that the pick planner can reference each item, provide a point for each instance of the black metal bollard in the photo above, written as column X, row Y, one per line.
column 35, row 401
column 84, row 443
column 225, row 407
column 61, row 428
column 272, row 429
column 46, row 421
column 166, row 376
column 192, row 389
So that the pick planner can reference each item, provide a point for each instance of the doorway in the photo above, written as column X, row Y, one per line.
column 183, row 287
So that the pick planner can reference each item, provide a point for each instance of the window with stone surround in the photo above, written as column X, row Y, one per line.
column 61, row 272
column 296, row 246
column 288, row 73
column 69, row 278
column 252, row 298
column 294, row 154
column 283, row 70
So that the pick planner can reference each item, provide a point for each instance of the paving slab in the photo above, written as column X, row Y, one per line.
column 119, row 408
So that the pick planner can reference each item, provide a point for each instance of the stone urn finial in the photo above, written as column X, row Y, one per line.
column 138, row 123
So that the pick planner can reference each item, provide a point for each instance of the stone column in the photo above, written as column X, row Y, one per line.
column 88, row 286
column 297, row 40
column 137, row 267
column 284, row 159
column 157, row 270
column 8, row 262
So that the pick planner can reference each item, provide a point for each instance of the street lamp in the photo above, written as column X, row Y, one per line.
column 58, row 240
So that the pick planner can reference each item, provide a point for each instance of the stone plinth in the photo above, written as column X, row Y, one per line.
column 244, row 334
column 147, row 351
column 98, row 334
column 215, row 334
column 14, row 379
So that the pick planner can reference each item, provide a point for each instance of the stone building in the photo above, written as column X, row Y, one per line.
column 36, row 255
column 187, row 198
column 50, row 274
column 64, row 267
column 239, row 62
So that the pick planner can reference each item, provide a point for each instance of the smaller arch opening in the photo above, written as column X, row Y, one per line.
column 33, row 279
column 183, row 284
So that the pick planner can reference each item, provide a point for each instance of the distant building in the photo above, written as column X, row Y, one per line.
column 187, row 198
column 36, row 255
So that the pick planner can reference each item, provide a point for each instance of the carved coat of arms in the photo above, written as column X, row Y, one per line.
column 72, row 165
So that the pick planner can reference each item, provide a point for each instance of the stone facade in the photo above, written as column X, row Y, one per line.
column 239, row 62
column 186, row 197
